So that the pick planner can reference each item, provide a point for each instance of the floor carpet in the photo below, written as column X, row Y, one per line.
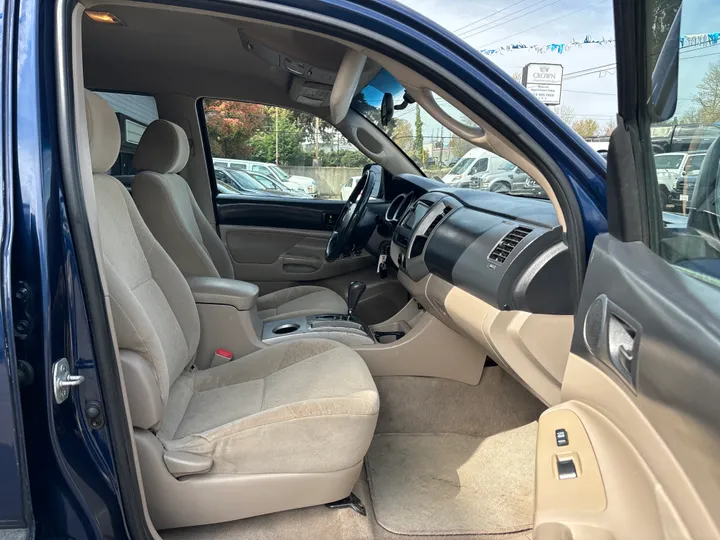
column 450, row 484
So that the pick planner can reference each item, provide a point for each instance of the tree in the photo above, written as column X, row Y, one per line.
column 418, row 143
column 707, row 98
column 459, row 147
column 290, row 135
column 609, row 127
column 402, row 135
column 517, row 76
column 586, row 127
column 566, row 113
column 230, row 126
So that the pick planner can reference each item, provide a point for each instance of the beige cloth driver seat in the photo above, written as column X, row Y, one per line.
column 285, row 427
column 168, row 206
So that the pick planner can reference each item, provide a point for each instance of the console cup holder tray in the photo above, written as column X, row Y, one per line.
column 287, row 328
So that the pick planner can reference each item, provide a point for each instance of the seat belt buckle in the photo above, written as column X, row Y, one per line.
column 222, row 356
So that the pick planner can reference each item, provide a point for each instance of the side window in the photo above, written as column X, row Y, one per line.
column 277, row 152
column 479, row 166
column 135, row 112
column 687, row 153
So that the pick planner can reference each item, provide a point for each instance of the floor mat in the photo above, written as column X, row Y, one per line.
column 445, row 484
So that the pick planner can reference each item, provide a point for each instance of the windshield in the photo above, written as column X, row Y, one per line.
column 245, row 181
column 461, row 165
column 438, row 152
column 668, row 161
column 280, row 173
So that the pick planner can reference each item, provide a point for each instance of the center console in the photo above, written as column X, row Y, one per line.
column 346, row 329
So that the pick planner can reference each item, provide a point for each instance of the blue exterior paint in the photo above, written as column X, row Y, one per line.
column 72, row 478
column 71, row 468
column 15, row 506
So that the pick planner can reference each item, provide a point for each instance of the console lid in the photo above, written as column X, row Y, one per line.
column 230, row 292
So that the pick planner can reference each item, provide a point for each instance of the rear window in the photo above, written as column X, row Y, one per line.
column 135, row 113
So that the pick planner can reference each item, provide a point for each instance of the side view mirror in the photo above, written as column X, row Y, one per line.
column 702, row 207
column 663, row 97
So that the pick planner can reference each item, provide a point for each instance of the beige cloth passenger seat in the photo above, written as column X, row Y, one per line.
column 168, row 206
column 285, row 427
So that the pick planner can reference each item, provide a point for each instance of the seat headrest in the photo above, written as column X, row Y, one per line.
column 163, row 148
column 103, row 132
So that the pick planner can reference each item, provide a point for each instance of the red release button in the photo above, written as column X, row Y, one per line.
column 224, row 353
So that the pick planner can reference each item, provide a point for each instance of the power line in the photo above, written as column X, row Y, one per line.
column 594, row 93
column 513, row 19
column 488, row 16
column 504, row 19
column 543, row 23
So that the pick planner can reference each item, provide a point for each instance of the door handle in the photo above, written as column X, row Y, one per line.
column 613, row 336
column 622, row 345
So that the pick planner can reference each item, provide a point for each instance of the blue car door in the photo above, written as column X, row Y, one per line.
column 642, row 382
column 15, row 505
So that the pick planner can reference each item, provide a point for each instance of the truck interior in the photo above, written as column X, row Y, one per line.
column 276, row 384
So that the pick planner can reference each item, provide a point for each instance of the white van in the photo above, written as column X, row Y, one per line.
column 296, row 183
column 476, row 163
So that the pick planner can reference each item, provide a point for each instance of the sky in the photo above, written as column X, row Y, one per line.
column 491, row 24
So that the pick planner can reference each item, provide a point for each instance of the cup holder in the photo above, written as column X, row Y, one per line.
column 288, row 328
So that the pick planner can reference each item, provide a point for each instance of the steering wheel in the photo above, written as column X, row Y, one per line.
column 343, row 235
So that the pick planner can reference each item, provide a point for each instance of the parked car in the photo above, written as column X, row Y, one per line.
column 683, row 137
column 275, row 186
column 297, row 183
column 508, row 178
column 474, row 164
column 348, row 187
column 242, row 182
column 601, row 147
column 672, row 166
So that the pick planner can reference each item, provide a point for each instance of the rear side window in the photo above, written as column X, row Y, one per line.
column 135, row 113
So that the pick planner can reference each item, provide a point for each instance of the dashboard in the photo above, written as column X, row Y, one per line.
column 506, row 251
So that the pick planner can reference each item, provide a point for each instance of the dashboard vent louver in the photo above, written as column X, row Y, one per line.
column 435, row 222
column 508, row 243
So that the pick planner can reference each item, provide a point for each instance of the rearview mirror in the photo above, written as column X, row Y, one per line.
column 387, row 109
column 664, row 35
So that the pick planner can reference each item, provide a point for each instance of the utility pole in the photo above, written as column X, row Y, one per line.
column 317, row 142
column 442, row 145
column 277, row 138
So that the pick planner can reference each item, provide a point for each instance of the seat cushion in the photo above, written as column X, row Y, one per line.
column 299, row 407
column 299, row 301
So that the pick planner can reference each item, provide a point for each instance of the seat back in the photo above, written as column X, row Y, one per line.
column 168, row 206
column 153, row 310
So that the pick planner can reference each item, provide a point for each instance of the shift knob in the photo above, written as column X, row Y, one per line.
column 355, row 291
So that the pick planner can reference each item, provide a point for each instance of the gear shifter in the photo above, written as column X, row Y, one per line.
column 355, row 291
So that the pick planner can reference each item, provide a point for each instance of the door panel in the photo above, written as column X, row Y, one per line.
column 304, row 214
column 653, row 421
column 274, row 258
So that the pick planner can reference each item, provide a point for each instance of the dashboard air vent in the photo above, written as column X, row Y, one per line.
column 508, row 243
column 437, row 220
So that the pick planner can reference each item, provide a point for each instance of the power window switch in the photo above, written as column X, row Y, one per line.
column 566, row 468
column 561, row 437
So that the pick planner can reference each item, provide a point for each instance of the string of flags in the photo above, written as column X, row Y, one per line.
column 690, row 40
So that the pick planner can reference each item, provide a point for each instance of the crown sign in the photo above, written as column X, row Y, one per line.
column 544, row 69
